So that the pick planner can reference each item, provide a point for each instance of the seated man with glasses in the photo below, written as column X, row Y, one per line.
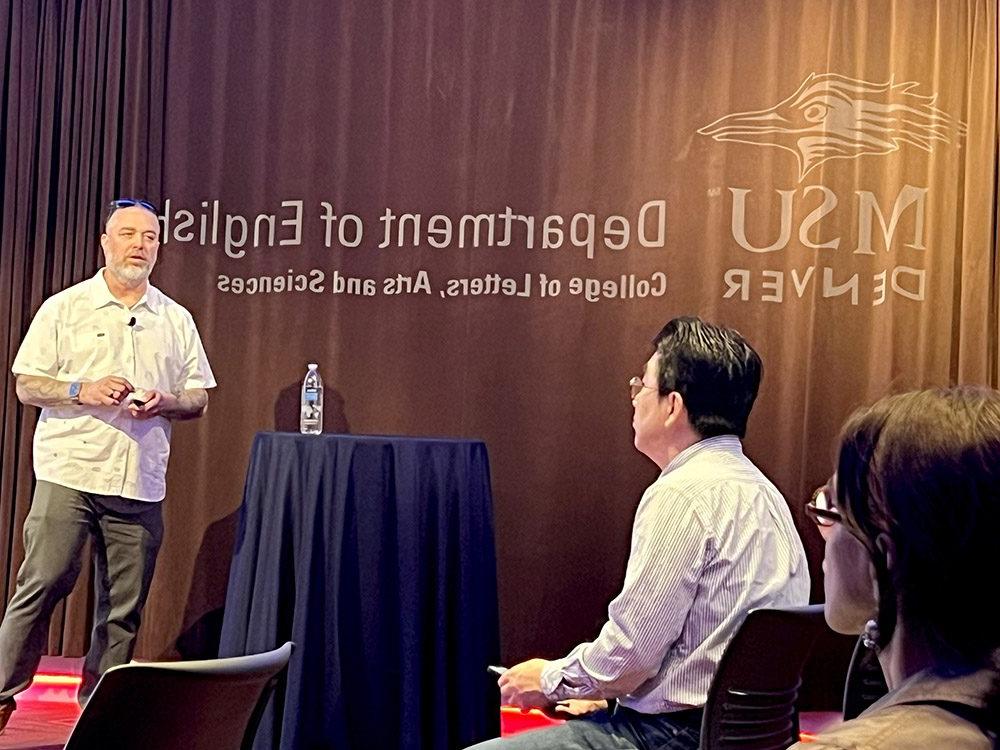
column 712, row 539
column 111, row 361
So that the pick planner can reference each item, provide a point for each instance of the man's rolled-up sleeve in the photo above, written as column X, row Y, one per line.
column 669, row 545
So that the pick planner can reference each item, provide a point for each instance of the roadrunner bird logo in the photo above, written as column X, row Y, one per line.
column 835, row 117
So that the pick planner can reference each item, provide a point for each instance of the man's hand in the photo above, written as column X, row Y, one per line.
column 579, row 707
column 189, row 404
column 156, row 402
column 521, row 685
column 108, row 391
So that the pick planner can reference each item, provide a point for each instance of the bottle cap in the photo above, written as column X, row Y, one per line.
column 313, row 367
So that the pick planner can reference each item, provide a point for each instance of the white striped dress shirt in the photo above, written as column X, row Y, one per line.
column 712, row 539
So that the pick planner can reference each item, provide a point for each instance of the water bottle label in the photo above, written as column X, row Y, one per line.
column 311, row 395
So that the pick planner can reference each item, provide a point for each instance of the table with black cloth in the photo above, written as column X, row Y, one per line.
column 375, row 555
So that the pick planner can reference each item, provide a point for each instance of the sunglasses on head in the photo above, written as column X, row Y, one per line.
column 127, row 202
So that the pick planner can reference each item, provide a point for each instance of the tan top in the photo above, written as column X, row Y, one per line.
column 895, row 722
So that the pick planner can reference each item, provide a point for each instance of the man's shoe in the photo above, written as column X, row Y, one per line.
column 6, row 709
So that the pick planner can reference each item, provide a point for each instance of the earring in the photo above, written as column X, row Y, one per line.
column 870, row 636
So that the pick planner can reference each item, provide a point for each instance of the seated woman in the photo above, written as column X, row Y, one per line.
column 912, row 527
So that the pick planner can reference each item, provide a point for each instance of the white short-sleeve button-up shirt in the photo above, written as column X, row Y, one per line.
column 83, row 334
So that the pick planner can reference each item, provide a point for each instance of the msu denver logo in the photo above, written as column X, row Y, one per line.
column 835, row 117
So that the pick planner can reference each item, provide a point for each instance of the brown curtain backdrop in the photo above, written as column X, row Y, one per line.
column 819, row 174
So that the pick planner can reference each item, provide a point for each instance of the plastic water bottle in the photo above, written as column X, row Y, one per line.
column 311, row 413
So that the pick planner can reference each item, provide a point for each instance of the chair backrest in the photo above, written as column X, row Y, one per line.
column 865, row 681
column 751, row 702
column 213, row 704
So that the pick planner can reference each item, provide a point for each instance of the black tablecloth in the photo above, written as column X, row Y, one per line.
column 375, row 556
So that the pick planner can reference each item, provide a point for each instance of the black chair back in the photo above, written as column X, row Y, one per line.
column 751, row 704
column 865, row 681
column 214, row 704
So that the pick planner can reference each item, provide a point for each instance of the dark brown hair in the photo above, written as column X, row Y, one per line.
column 715, row 370
column 924, row 469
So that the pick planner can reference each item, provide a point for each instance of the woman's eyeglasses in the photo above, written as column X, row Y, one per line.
column 822, row 509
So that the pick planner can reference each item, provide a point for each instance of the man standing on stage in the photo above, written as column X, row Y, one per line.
column 712, row 539
column 110, row 361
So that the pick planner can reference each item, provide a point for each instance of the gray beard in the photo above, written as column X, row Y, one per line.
column 130, row 275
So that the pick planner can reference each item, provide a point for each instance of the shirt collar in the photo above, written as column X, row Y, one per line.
column 101, row 295
column 720, row 443
column 969, row 689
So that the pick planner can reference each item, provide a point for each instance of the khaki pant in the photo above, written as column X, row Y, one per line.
column 126, row 534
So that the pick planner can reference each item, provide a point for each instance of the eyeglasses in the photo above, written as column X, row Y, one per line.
column 635, row 386
column 822, row 509
column 126, row 202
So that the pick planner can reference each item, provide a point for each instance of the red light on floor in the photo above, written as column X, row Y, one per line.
column 56, row 679
column 52, row 687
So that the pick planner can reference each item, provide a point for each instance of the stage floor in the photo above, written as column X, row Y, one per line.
column 39, row 724
column 45, row 712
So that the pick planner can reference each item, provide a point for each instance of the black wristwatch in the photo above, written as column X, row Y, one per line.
column 74, row 391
